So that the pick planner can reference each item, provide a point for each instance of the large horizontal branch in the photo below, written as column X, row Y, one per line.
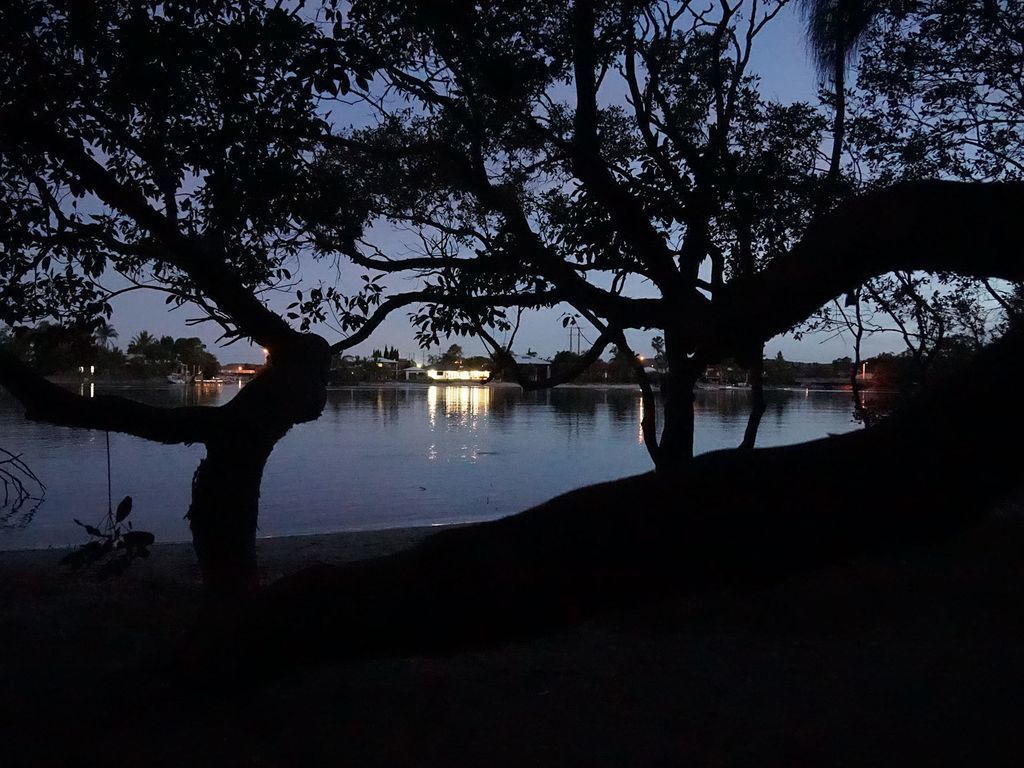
column 418, row 263
column 47, row 402
column 971, row 229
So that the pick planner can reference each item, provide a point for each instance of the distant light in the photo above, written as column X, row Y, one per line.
column 459, row 375
column 266, row 352
column 640, row 358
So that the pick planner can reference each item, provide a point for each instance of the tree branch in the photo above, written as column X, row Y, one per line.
column 209, row 270
column 47, row 402
column 972, row 229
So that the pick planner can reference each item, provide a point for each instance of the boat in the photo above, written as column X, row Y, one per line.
column 177, row 379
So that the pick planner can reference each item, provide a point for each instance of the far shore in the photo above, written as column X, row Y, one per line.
column 159, row 382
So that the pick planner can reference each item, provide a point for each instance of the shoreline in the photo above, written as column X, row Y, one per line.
column 175, row 561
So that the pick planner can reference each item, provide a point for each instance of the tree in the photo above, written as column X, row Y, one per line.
column 105, row 333
column 778, row 371
column 526, row 191
column 835, row 28
column 563, row 360
column 735, row 193
column 451, row 358
column 168, row 146
column 142, row 343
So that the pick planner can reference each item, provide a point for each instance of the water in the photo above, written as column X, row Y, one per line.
column 389, row 457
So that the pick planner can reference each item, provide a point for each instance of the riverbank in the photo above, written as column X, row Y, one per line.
column 909, row 658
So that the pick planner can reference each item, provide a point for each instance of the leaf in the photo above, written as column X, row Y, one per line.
column 90, row 529
column 123, row 509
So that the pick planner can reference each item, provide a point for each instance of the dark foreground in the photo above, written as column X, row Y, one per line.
column 912, row 657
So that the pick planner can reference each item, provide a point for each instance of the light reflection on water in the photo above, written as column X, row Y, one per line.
column 392, row 455
column 462, row 404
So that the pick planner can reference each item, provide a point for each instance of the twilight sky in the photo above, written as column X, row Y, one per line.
column 780, row 57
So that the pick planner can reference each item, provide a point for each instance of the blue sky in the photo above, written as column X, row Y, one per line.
column 780, row 57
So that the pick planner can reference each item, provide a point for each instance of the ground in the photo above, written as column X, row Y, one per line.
column 913, row 657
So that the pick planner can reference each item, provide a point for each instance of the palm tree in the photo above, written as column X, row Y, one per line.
column 143, row 342
column 105, row 333
column 834, row 30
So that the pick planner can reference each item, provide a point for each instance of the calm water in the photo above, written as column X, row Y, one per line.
column 389, row 457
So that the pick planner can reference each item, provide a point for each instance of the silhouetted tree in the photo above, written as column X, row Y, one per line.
column 450, row 358
column 105, row 333
column 170, row 143
column 531, row 184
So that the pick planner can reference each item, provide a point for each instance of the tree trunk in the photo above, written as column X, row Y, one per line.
column 676, row 445
column 226, row 486
column 757, row 402
column 838, row 122
column 224, row 512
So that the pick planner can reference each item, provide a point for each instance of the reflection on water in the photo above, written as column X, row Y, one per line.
column 463, row 404
column 391, row 455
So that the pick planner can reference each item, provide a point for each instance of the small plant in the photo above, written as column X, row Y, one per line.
column 113, row 543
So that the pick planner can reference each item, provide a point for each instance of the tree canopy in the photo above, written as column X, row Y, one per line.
column 620, row 158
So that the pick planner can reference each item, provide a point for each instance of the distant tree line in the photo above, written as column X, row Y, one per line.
column 152, row 356
column 55, row 350
column 389, row 353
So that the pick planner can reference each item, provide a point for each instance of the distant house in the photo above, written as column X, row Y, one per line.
column 457, row 374
column 342, row 361
column 533, row 368
column 393, row 366
column 415, row 373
